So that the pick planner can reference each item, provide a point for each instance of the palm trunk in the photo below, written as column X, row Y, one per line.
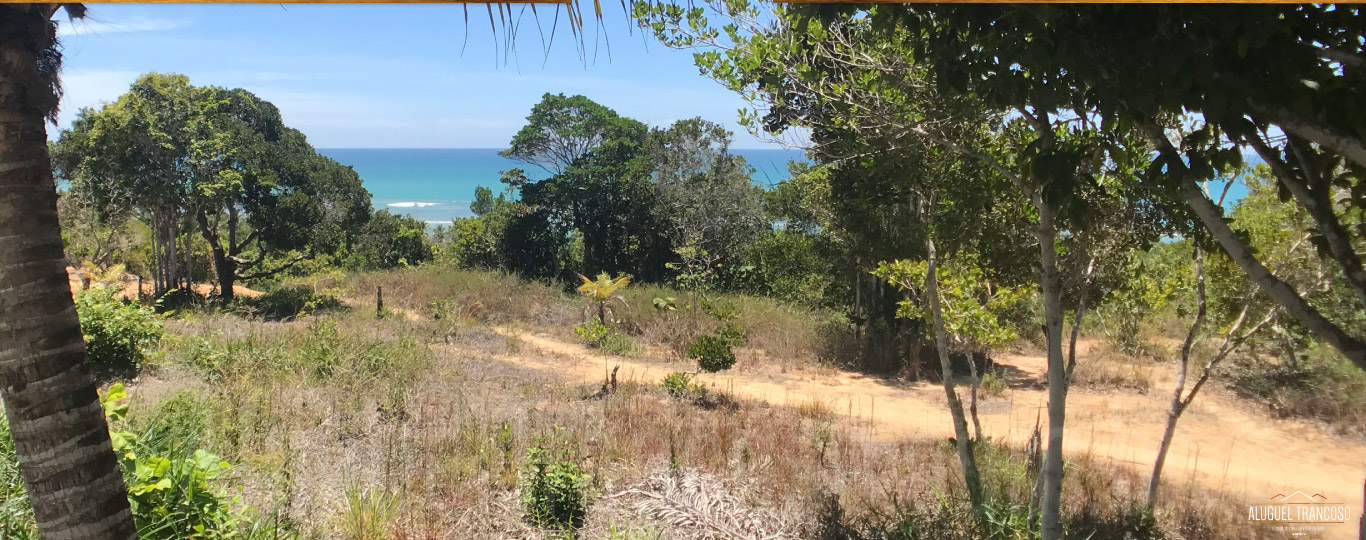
column 60, row 436
column 1057, row 375
column 963, row 441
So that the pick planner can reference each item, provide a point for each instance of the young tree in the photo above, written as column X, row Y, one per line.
column 845, row 75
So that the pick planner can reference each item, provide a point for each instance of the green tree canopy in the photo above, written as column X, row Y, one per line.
column 217, row 161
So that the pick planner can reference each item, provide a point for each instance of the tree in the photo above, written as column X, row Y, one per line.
column 846, row 78
column 483, row 201
column 60, row 436
column 562, row 129
column 391, row 241
column 706, row 198
column 602, row 294
column 1291, row 70
column 223, row 160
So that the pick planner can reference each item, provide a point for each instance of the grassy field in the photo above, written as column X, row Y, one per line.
column 341, row 425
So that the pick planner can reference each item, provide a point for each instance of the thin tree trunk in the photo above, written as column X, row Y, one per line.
column 1351, row 347
column 1318, row 203
column 1057, row 376
column 60, row 436
column 1177, row 406
column 971, row 477
column 1076, row 320
column 1212, row 217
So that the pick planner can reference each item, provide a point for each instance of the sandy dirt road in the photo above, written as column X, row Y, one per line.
column 1221, row 443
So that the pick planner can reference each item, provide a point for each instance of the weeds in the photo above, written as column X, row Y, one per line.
column 369, row 513
column 600, row 336
column 554, row 489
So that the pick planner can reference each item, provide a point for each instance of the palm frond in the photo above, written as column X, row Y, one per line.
column 505, row 20
column 703, row 505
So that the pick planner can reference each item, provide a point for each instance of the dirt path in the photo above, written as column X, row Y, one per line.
column 1219, row 443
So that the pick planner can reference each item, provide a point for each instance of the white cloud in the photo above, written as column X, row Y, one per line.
column 132, row 24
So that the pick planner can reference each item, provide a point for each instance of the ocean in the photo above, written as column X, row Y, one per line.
column 436, row 185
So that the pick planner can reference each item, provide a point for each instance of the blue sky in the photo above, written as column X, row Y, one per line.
column 387, row 76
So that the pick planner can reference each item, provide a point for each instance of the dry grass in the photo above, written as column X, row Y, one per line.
column 444, row 426
column 1108, row 368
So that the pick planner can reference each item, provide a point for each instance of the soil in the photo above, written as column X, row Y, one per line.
column 1221, row 442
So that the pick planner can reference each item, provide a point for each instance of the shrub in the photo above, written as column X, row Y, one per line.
column 712, row 352
column 554, row 489
column 677, row 384
column 442, row 309
column 172, row 495
column 600, row 336
column 993, row 385
column 118, row 334
column 290, row 302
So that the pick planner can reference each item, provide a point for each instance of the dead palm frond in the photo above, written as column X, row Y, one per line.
column 703, row 505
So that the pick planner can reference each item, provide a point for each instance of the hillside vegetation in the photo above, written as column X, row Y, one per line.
column 1031, row 269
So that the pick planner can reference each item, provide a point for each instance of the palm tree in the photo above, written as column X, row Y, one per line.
column 601, row 294
column 60, row 435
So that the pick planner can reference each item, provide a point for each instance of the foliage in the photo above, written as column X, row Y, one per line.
column 712, row 352
column 442, row 309
column 369, row 514
column 994, row 385
column 971, row 306
column 221, row 159
column 678, row 384
column 391, row 241
column 554, row 489
column 118, row 334
column 603, row 337
column 1153, row 280
column 602, row 295
column 172, row 495
column 286, row 303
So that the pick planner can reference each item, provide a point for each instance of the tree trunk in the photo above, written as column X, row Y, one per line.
column 1315, row 196
column 60, row 437
column 971, row 477
column 223, row 264
column 1057, row 376
column 1351, row 347
column 1178, row 405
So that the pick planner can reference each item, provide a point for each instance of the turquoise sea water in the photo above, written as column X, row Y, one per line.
column 436, row 185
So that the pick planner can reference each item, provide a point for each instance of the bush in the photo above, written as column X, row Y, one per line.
column 600, row 336
column 677, row 384
column 289, row 303
column 712, row 352
column 118, row 334
column 993, row 385
column 554, row 489
column 171, row 494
